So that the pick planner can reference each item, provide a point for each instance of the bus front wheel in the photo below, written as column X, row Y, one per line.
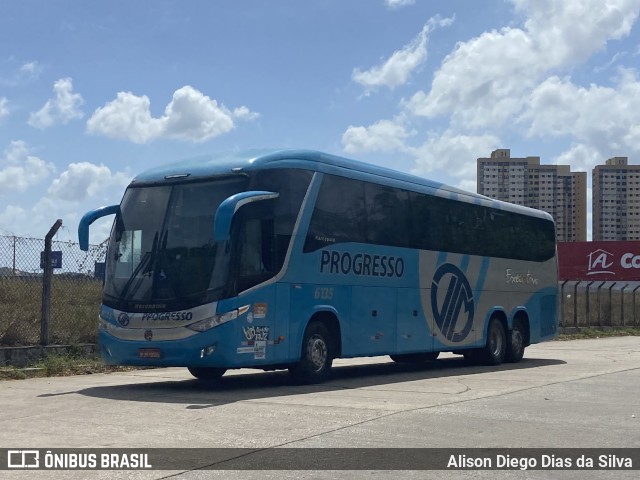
column 316, row 356
column 207, row 373
column 495, row 350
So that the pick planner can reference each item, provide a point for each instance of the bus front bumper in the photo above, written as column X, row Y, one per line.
column 200, row 350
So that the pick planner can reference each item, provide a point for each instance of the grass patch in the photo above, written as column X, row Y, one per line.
column 594, row 332
column 73, row 362
column 75, row 305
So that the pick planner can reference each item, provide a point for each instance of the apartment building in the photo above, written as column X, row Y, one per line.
column 552, row 188
column 616, row 200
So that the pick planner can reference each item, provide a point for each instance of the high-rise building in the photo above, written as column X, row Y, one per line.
column 552, row 188
column 616, row 200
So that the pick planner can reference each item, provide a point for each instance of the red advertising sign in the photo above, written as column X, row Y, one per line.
column 608, row 261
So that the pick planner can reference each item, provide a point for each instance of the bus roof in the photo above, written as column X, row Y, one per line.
column 208, row 166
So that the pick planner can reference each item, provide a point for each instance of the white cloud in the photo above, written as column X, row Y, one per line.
column 382, row 136
column 569, row 32
column 128, row 116
column 394, row 4
column 190, row 115
column 482, row 81
column 30, row 70
column 606, row 118
column 397, row 69
column 4, row 110
column 581, row 157
column 486, row 80
column 26, row 73
column 81, row 187
column 11, row 220
column 453, row 152
column 456, row 153
column 19, row 170
column 86, row 180
column 61, row 109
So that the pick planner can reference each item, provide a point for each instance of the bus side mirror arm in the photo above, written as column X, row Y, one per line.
column 88, row 219
column 228, row 208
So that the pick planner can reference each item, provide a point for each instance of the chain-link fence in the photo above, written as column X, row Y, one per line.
column 76, row 289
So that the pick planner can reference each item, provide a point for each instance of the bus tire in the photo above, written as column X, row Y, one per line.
column 516, row 342
column 207, row 373
column 415, row 357
column 494, row 352
column 316, row 356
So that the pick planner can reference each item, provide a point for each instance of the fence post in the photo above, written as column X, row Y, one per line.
column 575, row 305
column 622, row 304
column 588, row 307
column 599, row 288
column 634, row 305
column 14, row 255
column 46, row 285
column 611, row 305
column 562, row 303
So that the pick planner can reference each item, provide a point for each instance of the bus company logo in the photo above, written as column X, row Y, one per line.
column 600, row 261
column 148, row 335
column 123, row 319
column 458, row 300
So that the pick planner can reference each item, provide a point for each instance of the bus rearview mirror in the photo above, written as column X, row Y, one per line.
column 88, row 219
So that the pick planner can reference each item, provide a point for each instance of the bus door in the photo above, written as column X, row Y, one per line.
column 255, row 263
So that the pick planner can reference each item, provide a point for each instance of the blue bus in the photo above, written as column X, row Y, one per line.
column 290, row 259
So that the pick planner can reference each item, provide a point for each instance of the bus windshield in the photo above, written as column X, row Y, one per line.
column 161, row 252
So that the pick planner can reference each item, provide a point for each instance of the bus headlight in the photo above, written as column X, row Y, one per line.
column 218, row 319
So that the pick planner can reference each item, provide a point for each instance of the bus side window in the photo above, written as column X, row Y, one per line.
column 421, row 223
column 388, row 213
column 291, row 185
column 339, row 215
column 251, row 254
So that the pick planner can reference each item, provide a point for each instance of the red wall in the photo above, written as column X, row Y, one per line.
column 599, row 260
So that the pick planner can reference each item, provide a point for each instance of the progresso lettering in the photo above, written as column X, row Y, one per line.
column 174, row 316
column 361, row 264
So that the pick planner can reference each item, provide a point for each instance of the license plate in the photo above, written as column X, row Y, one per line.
column 149, row 353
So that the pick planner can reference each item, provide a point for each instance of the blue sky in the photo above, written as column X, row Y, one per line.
column 92, row 93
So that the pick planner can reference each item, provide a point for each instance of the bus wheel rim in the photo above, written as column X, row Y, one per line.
column 318, row 352
column 495, row 342
column 517, row 340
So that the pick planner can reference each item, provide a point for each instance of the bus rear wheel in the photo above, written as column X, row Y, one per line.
column 316, row 356
column 207, row 373
column 516, row 343
column 415, row 357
